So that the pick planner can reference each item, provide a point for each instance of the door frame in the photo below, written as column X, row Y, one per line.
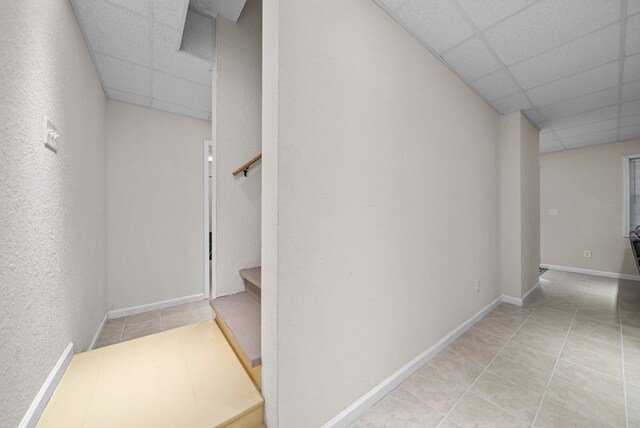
column 209, row 283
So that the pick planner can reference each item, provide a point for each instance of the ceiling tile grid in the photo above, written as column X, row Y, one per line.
column 572, row 66
column 135, row 48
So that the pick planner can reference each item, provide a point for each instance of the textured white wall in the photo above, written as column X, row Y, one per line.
column 387, row 204
column 585, row 185
column 52, row 207
column 238, row 138
column 530, row 191
column 154, row 199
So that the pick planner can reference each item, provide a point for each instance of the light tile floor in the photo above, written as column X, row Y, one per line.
column 126, row 328
column 569, row 358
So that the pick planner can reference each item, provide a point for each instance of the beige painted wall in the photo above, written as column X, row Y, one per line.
column 519, row 204
column 52, row 206
column 586, row 186
column 155, row 205
column 237, row 131
column 382, row 199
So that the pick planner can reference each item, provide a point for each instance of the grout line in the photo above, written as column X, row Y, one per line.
column 468, row 390
column 544, row 394
column 621, row 59
column 624, row 377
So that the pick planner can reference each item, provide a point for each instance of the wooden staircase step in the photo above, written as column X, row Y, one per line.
column 239, row 317
column 252, row 278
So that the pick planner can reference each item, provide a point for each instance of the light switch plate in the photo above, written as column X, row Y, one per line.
column 587, row 254
column 554, row 212
column 51, row 136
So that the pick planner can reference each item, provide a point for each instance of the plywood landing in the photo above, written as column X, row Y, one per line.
column 186, row 377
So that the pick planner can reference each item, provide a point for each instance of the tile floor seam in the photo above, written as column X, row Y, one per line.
column 624, row 377
column 553, row 371
column 448, row 414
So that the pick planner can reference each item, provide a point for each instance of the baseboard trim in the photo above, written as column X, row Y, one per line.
column 519, row 301
column 118, row 313
column 98, row 332
column 351, row 413
column 39, row 403
column 593, row 272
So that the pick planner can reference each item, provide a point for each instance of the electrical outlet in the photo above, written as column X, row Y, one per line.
column 52, row 137
column 477, row 285
column 587, row 254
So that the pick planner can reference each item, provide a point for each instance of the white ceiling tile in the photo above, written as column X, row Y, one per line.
column 181, row 92
column 170, row 12
column 390, row 4
column 581, row 104
column 579, row 55
column 185, row 111
column 631, row 108
column 631, row 91
column 534, row 116
column 589, row 128
column 605, row 113
column 471, row 60
column 487, row 12
column 633, row 7
column 630, row 132
column 117, row 95
column 632, row 68
column 496, row 85
column 124, row 76
column 629, row 121
column 168, row 59
column 550, row 146
column 548, row 24
column 574, row 86
column 115, row 31
column 143, row 7
column 633, row 35
column 512, row 103
column 204, row 6
column 547, row 136
column 601, row 137
column 198, row 35
column 436, row 22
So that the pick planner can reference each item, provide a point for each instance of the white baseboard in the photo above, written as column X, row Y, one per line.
column 593, row 272
column 98, row 333
column 519, row 301
column 351, row 413
column 38, row 405
column 117, row 313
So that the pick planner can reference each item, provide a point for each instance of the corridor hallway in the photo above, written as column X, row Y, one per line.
column 570, row 357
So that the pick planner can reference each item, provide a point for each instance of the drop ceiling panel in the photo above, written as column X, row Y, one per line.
column 591, row 139
column 471, row 59
column 496, row 85
column 630, row 132
column 135, row 45
column 512, row 103
column 125, row 76
column 630, row 121
column 180, row 64
column 551, row 146
column 181, row 92
column 631, row 91
column 549, row 23
column 583, row 83
column 590, row 51
column 631, row 108
column 589, row 128
column 584, row 103
column 436, row 23
column 632, row 68
column 633, row 6
column 184, row 111
column 126, row 97
column 633, row 35
column 598, row 115
column 115, row 31
column 488, row 12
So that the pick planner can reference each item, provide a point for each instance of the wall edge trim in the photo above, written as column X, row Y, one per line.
column 519, row 301
column 118, row 313
column 593, row 272
column 351, row 413
column 35, row 410
column 96, row 336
